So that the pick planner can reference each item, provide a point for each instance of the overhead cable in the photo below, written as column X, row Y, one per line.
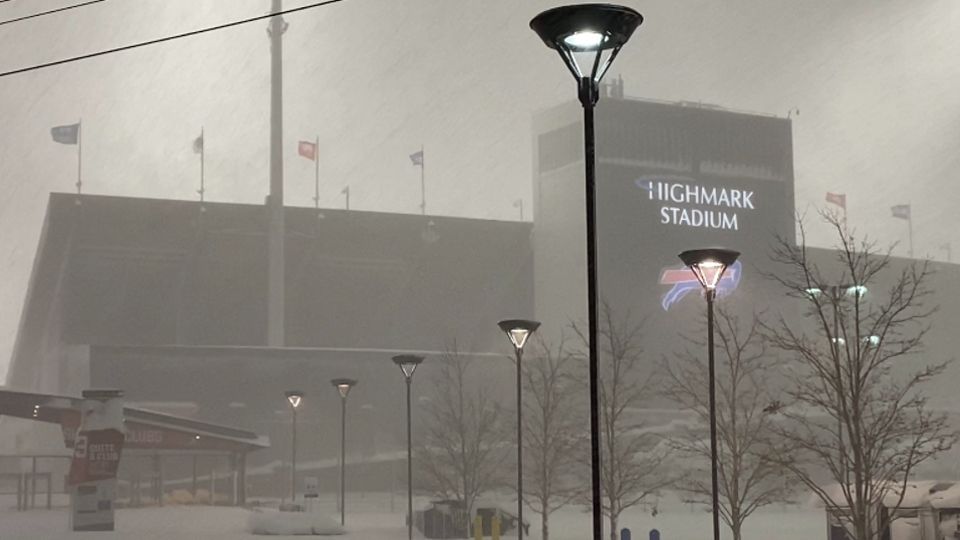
column 163, row 39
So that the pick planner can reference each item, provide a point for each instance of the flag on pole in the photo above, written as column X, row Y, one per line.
column 901, row 211
column 198, row 144
column 417, row 158
column 839, row 199
column 307, row 149
column 66, row 134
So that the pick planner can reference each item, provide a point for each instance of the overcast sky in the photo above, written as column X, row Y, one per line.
column 876, row 83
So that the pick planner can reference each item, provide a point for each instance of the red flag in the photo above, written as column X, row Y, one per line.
column 839, row 199
column 308, row 150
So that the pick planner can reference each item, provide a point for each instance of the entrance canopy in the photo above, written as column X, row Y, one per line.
column 145, row 430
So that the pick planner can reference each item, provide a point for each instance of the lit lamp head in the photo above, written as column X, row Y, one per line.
column 408, row 363
column 518, row 330
column 708, row 265
column 343, row 386
column 587, row 36
column 295, row 397
column 857, row 291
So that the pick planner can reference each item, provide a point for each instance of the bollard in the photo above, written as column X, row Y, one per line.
column 495, row 528
column 478, row 528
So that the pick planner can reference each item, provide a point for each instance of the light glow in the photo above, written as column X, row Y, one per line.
column 518, row 336
column 585, row 40
column 857, row 291
column 343, row 386
column 709, row 273
column 295, row 399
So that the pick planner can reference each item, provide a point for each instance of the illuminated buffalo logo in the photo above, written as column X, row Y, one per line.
column 682, row 282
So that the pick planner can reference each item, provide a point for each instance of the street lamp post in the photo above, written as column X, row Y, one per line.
column 408, row 364
column 836, row 294
column 588, row 38
column 343, row 386
column 519, row 331
column 708, row 266
column 295, row 398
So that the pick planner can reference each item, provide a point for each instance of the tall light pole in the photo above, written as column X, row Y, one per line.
column 408, row 364
column 519, row 330
column 276, row 228
column 836, row 293
column 343, row 386
column 588, row 38
column 295, row 398
column 708, row 266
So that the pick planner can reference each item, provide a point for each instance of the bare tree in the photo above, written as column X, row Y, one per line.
column 632, row 460
column 747, row 481
column 551, row 430
column 462, row 453
column 857, row 409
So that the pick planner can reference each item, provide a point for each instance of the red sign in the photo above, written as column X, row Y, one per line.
column 96, row 455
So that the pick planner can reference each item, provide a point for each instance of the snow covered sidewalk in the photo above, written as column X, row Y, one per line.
column 193, row 523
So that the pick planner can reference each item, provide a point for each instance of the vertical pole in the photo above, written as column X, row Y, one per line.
column 158, row 464
column 423, row 182
column 316, row 179
column 33, row 481
column 588, row 96
column 835, row 292
column 910, row 227
column 293, row 460
column 242, row 480
column 343, row 459
column 711, row 293
column 409, row 468
column 193, row 483
column 277, row 228
column 79, row 156
column 519, row 352
column 346, row 191
column 203, row 149
column 521, row 209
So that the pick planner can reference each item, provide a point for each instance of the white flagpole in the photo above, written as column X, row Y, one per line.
column 423, row 183
column 910, row 226
column 203, row 150
column 79, row 155
column 316, row 181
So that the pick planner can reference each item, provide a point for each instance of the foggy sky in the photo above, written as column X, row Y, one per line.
column 876, row 84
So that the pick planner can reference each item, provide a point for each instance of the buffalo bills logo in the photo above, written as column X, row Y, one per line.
column 683, row 281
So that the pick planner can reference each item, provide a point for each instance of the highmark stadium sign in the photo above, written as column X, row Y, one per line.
column 684, row 202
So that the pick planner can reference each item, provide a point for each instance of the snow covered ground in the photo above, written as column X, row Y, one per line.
column 369, row 522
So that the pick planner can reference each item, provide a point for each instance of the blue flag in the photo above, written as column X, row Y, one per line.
column 66, row 134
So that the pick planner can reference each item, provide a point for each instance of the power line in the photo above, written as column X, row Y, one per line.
column 163, row 39
column 51, row 12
